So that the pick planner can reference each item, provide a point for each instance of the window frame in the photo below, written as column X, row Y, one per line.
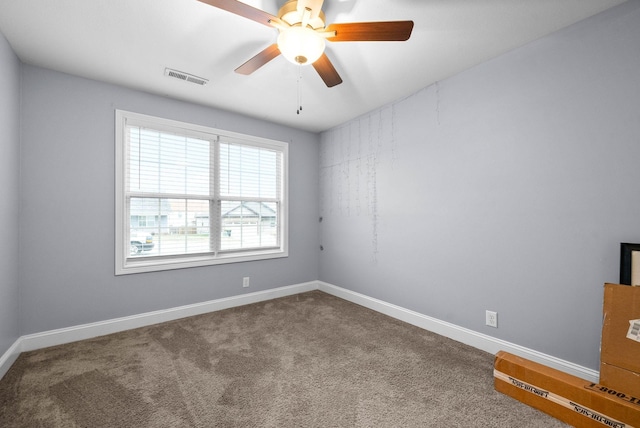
column 128, row 265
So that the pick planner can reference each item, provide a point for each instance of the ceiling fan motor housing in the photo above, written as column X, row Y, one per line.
column 290, row 14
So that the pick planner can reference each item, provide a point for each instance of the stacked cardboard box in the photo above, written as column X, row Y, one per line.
column 620, row 347
column 615, row 401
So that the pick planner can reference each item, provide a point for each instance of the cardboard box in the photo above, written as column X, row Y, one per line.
column 620, row 347
column 575, row 401
column 624, row 380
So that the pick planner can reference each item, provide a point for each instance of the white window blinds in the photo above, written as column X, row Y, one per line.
column 192, row 195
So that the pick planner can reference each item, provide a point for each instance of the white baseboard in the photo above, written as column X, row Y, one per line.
column 61, row 336
column 9, row 357
column 88, row 331
column 469, row 337
column 477, row 340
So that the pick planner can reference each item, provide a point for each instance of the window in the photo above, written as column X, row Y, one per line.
column 188, row 195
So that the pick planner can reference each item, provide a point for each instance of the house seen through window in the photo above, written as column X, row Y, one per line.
column 189, row 195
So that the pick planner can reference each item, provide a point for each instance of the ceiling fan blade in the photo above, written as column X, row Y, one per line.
column 327, row 71
column 259, row 60
column 243, row 10
column 382, row 31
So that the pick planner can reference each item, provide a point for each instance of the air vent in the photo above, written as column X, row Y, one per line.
column 185, row 76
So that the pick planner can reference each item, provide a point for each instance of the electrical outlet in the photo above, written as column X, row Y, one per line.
column 492, row 319
column 245, row 281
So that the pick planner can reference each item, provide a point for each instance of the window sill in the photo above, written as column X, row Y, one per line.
column 143, row 265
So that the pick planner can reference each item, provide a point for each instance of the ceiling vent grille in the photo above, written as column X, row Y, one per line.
column 185, row 76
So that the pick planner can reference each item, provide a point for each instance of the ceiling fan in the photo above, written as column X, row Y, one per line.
column 302, row 34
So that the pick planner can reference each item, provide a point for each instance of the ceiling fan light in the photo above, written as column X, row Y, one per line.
column 301, row 46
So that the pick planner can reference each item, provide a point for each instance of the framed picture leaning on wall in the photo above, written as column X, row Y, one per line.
column 629, row 264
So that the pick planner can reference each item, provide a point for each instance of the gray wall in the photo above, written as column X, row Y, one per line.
column 507, row 187
column 9, row 188
column 67, row 218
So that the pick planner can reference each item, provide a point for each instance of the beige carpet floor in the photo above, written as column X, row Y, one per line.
column 310, row 360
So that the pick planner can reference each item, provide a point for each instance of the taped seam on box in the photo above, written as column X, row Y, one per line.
column 578, row 408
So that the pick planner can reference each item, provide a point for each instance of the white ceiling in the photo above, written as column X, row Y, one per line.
column 131, row 42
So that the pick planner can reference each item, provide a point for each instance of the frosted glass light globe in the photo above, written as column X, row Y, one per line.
column 301, row 46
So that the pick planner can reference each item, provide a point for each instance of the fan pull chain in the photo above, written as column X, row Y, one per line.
column 299, row 91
